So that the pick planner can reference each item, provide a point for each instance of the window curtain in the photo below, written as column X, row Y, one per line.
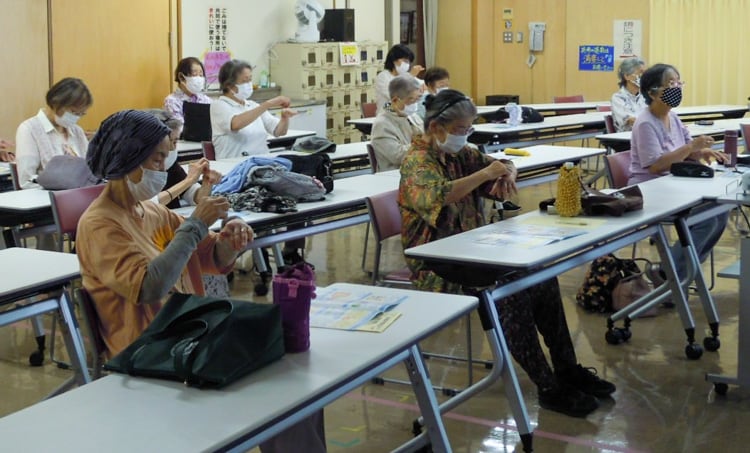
column 430, row 14
column 705, row 41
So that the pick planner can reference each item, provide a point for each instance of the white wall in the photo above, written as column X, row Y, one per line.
column 254, row 26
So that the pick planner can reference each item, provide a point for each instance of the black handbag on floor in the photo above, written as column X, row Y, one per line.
column 316, row 164
column 204, row 341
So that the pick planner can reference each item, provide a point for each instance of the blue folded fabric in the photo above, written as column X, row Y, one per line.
column 236, row 179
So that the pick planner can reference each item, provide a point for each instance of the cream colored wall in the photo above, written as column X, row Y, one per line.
column 23, row 32
column 254, row 26
column 453, row 42
column 598, row 29
column 500, row 68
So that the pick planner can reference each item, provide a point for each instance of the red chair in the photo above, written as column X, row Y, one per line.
column 618, row 169
column 609, row 124
column 208, row 150
column 369, row 109
column 746, row 136
column 91, row 318
column 373, row 159
column 603, row 108
column 568, row 99
column 68, row 207
column 385, row 217
column 13, row 167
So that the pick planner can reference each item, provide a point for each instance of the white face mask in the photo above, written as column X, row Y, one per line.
column 171, row 159
column 410, row 109
column 67, row 120
column 403, row 68
column 453, row 143
column 195, row 84
column 244, row 90
column 441, row 89
column 637, row 81
column 152, row 182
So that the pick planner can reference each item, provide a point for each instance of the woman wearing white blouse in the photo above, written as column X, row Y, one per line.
column 628, row 102
column 398, row 61
column 54, row 130
column 240, row 126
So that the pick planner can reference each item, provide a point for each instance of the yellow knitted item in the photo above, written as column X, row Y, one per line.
column 516, row 152
column 568, row 202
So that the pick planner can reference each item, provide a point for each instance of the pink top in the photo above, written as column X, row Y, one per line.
column 173, row 102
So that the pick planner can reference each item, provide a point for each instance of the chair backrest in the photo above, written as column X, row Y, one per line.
column 13, row 167
column 68, row 207
column 609, row 123
column 618, row 169
column 209, row 152
column 369, row 109
column 746, row 135
column 373, row 159
column 385, row 218
column 568, row 99
column 603, row 108
column 91, row 318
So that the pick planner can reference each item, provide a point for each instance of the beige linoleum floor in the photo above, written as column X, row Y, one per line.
column 662, row 404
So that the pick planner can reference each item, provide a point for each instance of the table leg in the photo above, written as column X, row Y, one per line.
column 427, row 401
column 743, row 348
column 73, row 341
column 502, row 368
column 709, row 308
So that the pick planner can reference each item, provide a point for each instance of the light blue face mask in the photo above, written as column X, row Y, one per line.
column 152, row 182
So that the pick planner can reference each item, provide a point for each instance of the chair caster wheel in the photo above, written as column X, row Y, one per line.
column 378, row 380
column 711, row 344
column 416, row 428
column 488, row 365
column 721, row 388
column 36, row 358
column 617, row 335
column 693, row 351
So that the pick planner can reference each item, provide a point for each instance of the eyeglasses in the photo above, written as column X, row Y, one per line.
column 675, row 84
column 463, row 130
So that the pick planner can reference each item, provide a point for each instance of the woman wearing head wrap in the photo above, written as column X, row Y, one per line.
column 442, row 183
column 134, row 252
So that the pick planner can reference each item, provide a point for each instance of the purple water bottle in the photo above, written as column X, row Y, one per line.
column 730, row 146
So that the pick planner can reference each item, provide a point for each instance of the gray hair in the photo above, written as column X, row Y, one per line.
column 166, row 118
column 402, row 86
column 448, row 106
column 628, row 66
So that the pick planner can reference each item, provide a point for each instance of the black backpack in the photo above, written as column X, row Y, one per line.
column 317, row 164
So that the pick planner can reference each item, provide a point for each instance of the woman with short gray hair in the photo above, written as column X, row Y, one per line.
column 628, row 102
column 394, row 127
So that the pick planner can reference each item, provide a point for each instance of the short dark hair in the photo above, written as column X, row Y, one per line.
column 653, row 78
column 230, row 71
column 69, row 92
column 447, row 106
column 434, row 74
column 185, row 66
column 398, row 52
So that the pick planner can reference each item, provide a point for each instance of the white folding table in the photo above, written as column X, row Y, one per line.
column 119, row 413
column 28, row 273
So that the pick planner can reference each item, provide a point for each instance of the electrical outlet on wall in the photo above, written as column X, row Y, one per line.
column 507, row 37
column 519, row 36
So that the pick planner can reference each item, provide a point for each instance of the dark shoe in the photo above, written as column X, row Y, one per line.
column 587, row 381
column 568, row 400
column 294, row 257
column 510, row 206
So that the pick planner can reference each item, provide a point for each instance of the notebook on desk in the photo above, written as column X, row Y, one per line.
column 197, row 126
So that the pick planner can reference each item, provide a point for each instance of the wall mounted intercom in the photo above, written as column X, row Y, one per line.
column 536, row 36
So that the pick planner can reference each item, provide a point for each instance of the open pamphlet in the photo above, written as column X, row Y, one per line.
column 536, row 231
column 353, row 309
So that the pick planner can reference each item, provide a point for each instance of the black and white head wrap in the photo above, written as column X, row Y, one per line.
column 123, row 142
